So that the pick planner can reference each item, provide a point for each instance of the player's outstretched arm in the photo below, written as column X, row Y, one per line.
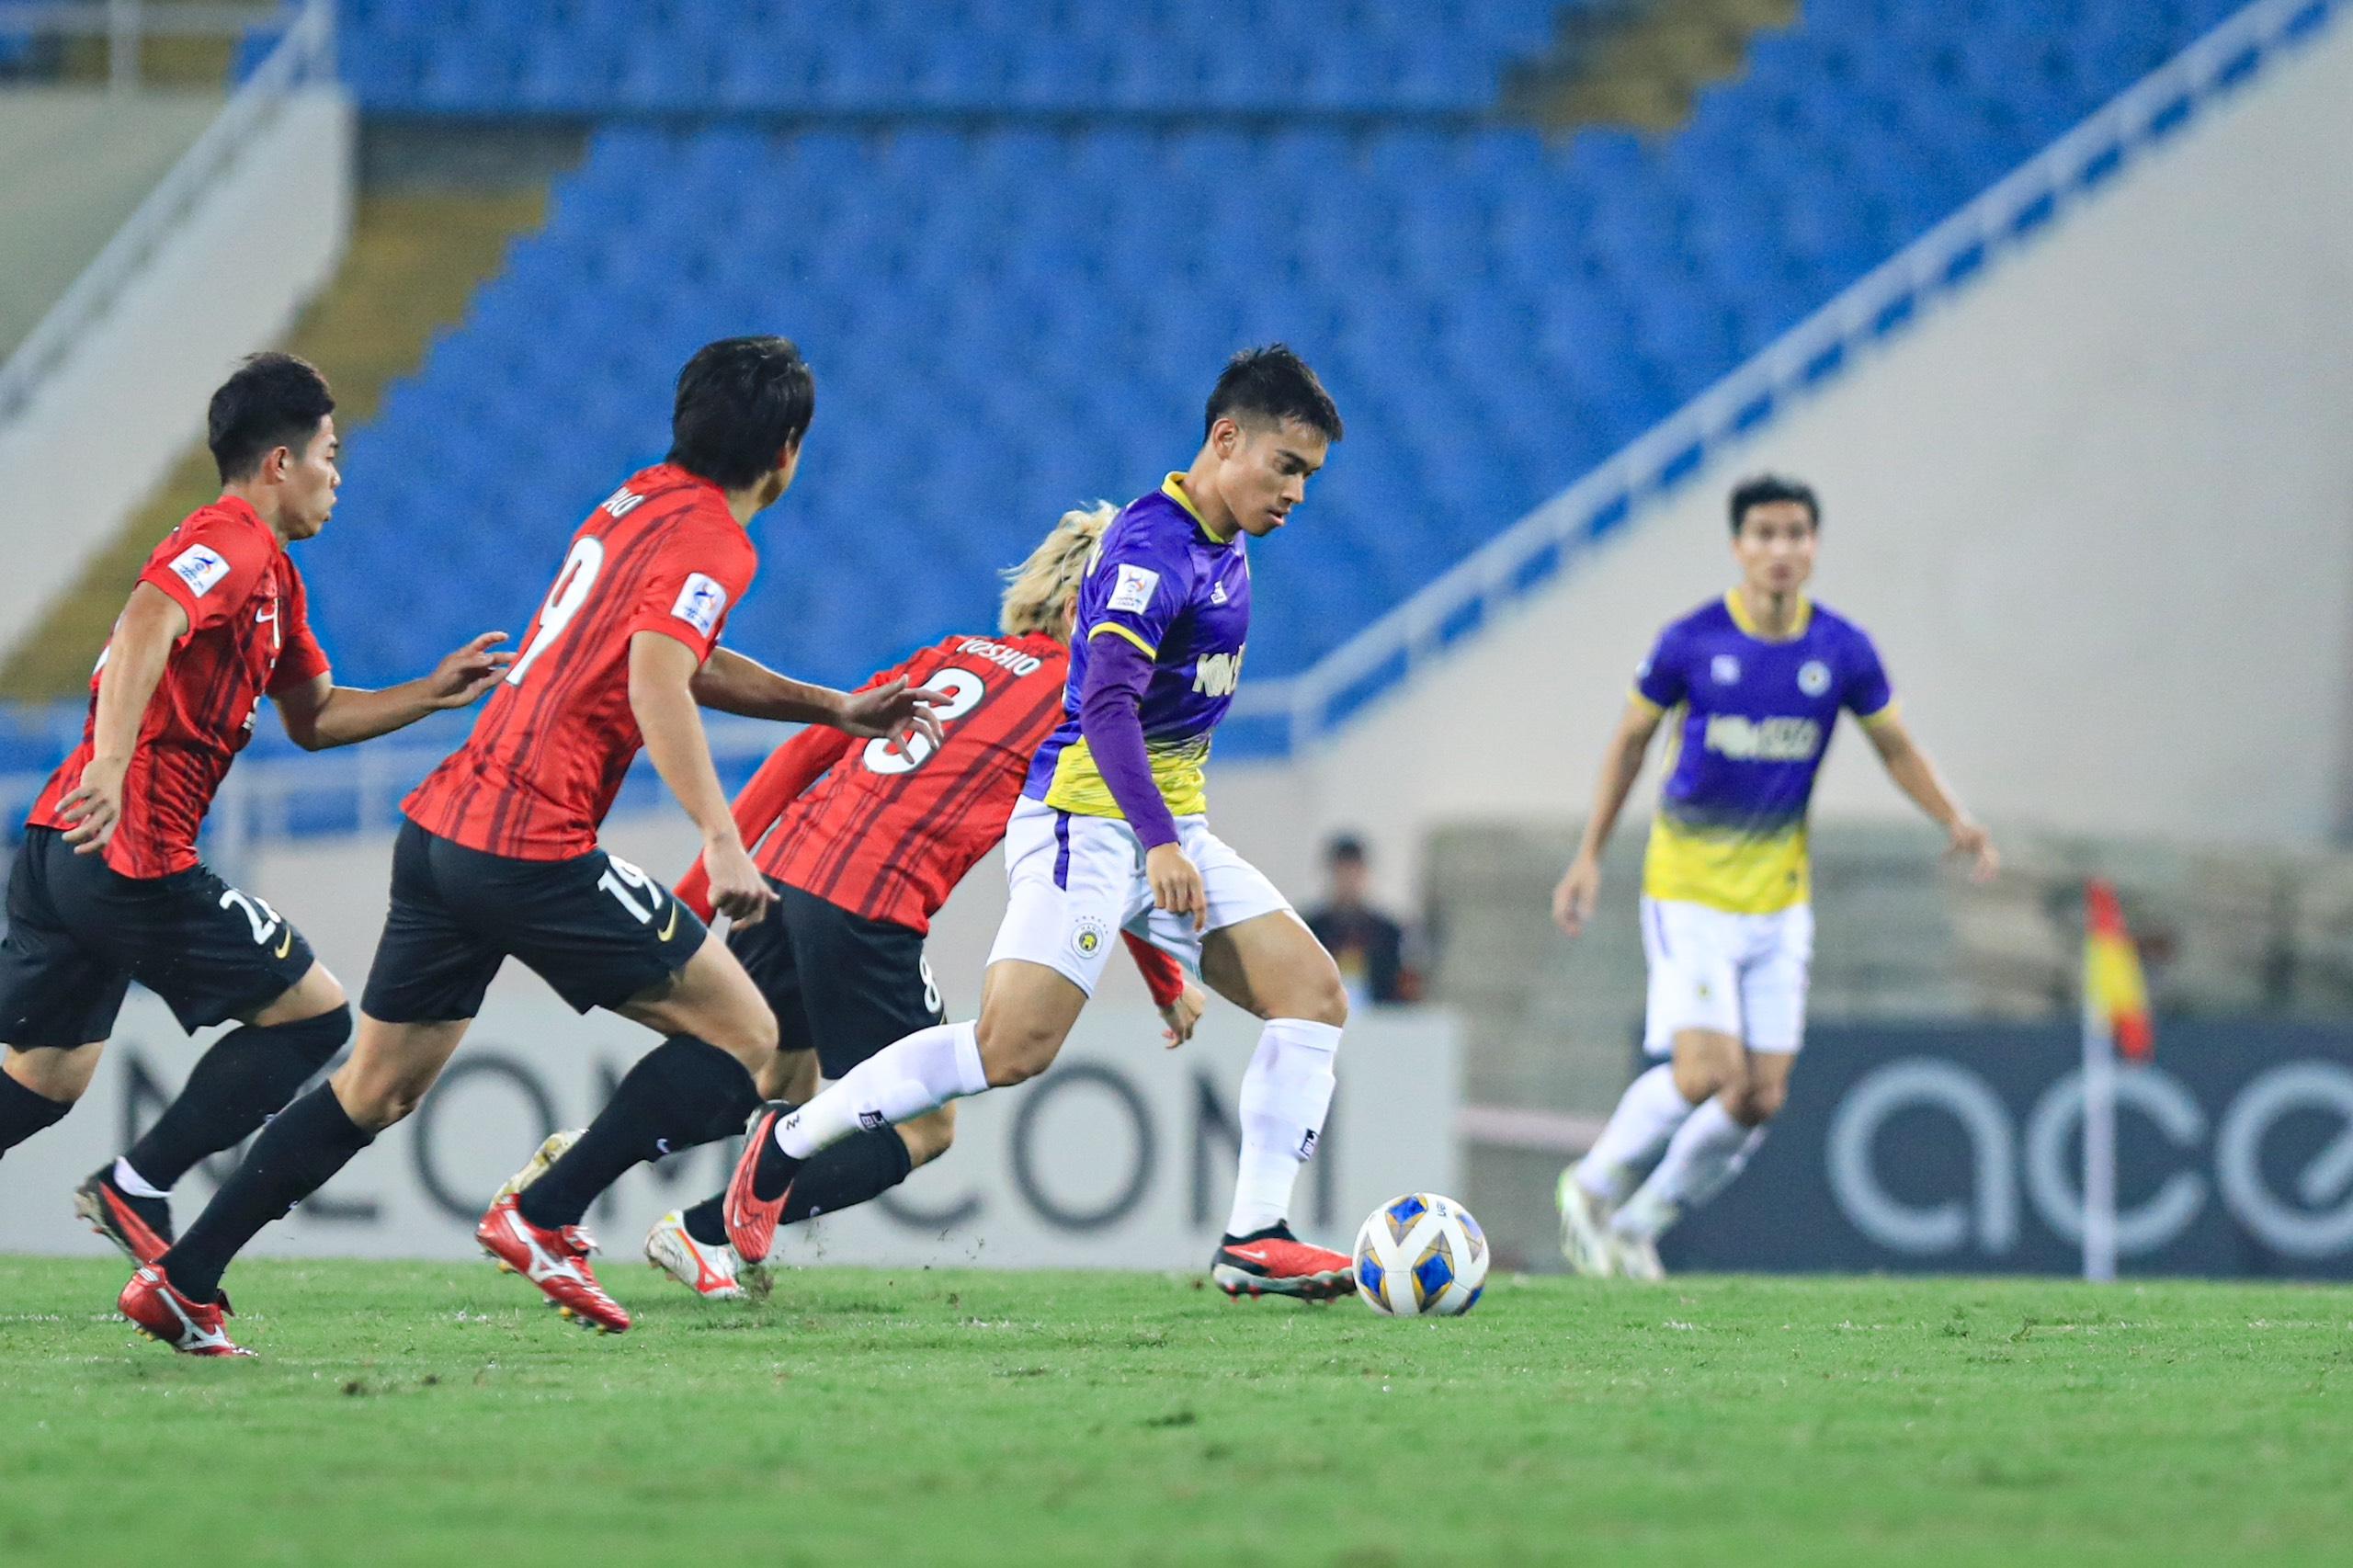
column 893, row 710
column 152, row 622
column 661, row 680
column 1579, row 890
column 1916, row 775
column 320, row 714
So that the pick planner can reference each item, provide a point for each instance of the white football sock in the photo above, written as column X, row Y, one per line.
column 1696, row 1193
column 1647, row 1115
column 897, row 1084
column 132, row 1182
column 1694, row 1167
column 1285, row 1093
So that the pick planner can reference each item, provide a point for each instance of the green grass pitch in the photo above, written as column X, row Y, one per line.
column 437, row 1414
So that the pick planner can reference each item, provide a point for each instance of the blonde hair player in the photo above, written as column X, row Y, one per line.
column 1754, row 682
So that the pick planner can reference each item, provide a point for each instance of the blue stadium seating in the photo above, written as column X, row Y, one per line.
column 1008, row 317
column 602, row 57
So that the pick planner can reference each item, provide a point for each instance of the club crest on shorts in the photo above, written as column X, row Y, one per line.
column 1088, row 936
column 1814, row 677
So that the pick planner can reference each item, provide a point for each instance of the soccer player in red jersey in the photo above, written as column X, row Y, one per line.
column 862, row 862
column 108, row 887
column 499, row 858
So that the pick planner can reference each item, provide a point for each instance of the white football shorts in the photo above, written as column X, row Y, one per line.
column 1073, row 883
column 1738, row 974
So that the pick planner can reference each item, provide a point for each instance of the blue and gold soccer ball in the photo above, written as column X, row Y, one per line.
column 1421, row 1255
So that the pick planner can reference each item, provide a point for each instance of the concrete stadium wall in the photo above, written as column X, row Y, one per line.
column 104, row 431
column 2099, row 512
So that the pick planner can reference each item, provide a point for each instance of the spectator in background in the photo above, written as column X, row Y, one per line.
column 1368, row 945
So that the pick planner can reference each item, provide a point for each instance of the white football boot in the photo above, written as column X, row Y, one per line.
column 710, row 1272
column 1585, row 1228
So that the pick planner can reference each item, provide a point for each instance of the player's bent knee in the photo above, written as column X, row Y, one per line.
column 62, row 1074
column 316, row 995
column 1017, row 1053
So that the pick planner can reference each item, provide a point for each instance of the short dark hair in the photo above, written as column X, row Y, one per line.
column 1763, row 489
column 273, row 400
column 1344, row 848
column 741, row 401
column 1274, row 384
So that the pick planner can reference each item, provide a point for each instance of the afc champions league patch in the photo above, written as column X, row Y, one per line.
column 199, row 568
column 1087, row 937
column 1814, row 677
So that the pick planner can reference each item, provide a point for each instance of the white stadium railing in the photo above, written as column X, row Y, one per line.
column 305, row 53
column 1289, row 715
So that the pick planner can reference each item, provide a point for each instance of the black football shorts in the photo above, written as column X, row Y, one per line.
column 79, row 933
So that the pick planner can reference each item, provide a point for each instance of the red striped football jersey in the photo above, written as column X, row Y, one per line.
column 891, row 831
column 249, row 635
column 662, row 553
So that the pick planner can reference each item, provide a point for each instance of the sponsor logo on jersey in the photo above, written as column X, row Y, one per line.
column 201, row 568
column 1217, row 595
column 872, row 1120
column 1725, row 668
column 1133, row 590
column 1000, row 655
column 1744, row 738
column 699, row 603
column 1814, row 677
column 1217, row 674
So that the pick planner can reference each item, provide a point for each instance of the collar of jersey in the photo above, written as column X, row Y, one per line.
column 1174, row 488
column 243, row 510
column 1740, row 617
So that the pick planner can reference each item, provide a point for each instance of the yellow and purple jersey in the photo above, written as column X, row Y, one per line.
column 1162, row 582
column 1752, row 720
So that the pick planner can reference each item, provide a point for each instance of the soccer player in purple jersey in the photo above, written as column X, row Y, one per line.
column 1111, row 835
column 1756, row 681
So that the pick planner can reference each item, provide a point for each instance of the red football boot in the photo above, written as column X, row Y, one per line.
column 141, row 1227
column 157, row 1310
column 556, row 1261
column 752, row 1221
column 1273, row 1262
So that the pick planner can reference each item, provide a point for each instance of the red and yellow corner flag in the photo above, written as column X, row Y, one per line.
column 2112, row 983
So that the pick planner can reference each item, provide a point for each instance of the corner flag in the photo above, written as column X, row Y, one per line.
column 2116, row 1021
column 2113, row 985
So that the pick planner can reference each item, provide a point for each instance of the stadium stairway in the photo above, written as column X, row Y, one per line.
column 416, row 256
column 1641, row 66
column 119, row 149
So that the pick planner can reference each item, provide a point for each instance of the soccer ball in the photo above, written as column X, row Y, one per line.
column 1421, row 1255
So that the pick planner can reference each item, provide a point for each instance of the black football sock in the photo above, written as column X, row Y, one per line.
column 296, row 1154
column 847, row 1174
column 683, row 1093
column 851, row 1171
column 707, row 1221
column 774, row 1170
column 24, row 1113
column 243, row 1080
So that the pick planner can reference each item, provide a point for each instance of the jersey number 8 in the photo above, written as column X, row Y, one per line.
column 963, row 690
